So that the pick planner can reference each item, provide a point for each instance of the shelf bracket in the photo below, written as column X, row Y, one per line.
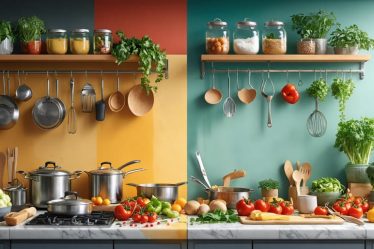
column 362, row 69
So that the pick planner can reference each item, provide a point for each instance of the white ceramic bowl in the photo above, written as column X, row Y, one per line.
column 4, row 211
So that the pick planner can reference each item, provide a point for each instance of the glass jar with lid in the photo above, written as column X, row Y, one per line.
column 57, row 41
column 246, row 38
column 102, row 41
column 80, row 41
column 274, row 38
column 217, row 39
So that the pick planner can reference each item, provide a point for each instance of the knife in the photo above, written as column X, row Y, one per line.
column 346, row 217
column 202, row 168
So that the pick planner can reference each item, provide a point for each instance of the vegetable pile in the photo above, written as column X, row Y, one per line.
column 350, row 205
column 277, row 206
column 327, row 184
column 216, row 217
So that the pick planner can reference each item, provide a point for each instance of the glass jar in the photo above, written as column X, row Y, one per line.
column 217, row 39
column 80, row 41
column 274, row 38
column 102, row 41
column 246, row 38
column 306, row 46
column 57, row 41
column 33, row 46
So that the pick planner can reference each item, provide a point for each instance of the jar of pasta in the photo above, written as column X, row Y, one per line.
column 217, row 38
column 57, row 41
column 80, row 41
column 274, row 38
column 102, row 41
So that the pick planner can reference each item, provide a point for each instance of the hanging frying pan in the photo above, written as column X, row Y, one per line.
column 9, row 112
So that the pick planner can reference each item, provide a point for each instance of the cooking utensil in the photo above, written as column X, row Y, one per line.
column 198, row 181
column 100, row 105
column 268, row 96
column 298, row 165
column 231, row 176
column 9, row 112
column 345, row 217
column 297, row 177
column 17, row 194
column 246, row 95
column 88, row 97
column 23, row 92
column 61, row 104
column 139, row 101
column 316, row 123
column 49, row 182
column 2, row 168
column 116, row 100
column 306, row 203
column 14, row 168
column 107, row 182
column 47, row 112
column 213, row 96
column 300, row 82
column 10, row 160
column 70, row 206
column 306, row 172
column 229, row 106
column 229, row 194
column 288, row 170
column 202, row 168
column 72, row 116
column 163, row 191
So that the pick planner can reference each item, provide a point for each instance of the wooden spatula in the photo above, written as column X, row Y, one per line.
column 2, row 168
column 231, row 176
column 297, row 177
column 288, row 170
column 306, row 170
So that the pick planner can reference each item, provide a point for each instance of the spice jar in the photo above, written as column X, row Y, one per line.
column 102, row 41
column 246, row 38
column 274, row 38
column 57, row 41
column 217, row 39
column 80, row 41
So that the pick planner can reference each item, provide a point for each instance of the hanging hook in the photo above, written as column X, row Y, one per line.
column 249, row 77
column 268, row 70
column 315, row 74
column 71, row 74
column 300, row 82
column 86, row 74
column 18, row 78
column 287, row 76
column 350, row 74
column 326, row 76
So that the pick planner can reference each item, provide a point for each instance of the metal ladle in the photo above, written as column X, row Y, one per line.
column 229, row 106
column 268, row 97
column 245, row 95
column 23, row 92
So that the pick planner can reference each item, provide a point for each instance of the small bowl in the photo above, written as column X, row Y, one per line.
column 326, row 197
column 4, row 211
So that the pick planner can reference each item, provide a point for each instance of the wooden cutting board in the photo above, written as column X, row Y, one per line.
column 104, row 208
column 294, row 220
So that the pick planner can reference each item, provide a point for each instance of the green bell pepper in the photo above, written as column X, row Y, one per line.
column 170, row 213
column 154, row 205
column 166, row 204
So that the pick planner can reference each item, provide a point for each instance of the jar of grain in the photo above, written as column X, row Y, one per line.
column 80, row 41
column 274, row 38
column 246, row 38
column 102, row 41
column 57, row 41
column 217, row 38
column 306, row 46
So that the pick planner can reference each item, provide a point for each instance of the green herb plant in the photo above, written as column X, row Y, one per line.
column 313, row 26
column 327, row 184
column 370, row 173
column 356, row 139
column 30, row 28
column 6, row 31
column 351, row 36
column 149, row 53
column 268, row 184
column 318, row 89
column 216, row 217
column 342, row 90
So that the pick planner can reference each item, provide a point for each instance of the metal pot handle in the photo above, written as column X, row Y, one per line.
column 132, row 171
column 75, row 175
column 26, row 175
column 180, row 183
column 132, row 184
column 67, row 193
column 51, row 163
column 128, row 164
column 105, row 163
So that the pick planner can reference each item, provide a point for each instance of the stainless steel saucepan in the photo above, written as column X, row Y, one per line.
column 70, row 206
column 163, row 191
column 9, row 112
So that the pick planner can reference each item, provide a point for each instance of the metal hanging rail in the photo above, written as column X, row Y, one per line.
column 359, row 71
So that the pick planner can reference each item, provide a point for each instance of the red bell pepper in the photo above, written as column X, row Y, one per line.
column 123, row 214
column 290, row 94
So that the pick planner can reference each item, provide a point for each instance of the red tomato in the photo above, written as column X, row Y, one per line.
column 365, row 205
column 319, row 210
column 290, row 94
column 340, row 206
column 356, row 212
column 245, row 207
column 144, row 219
column 347, row 197
column 140, row 201
column 121, row 213
column 287, row 208
column 152, row 217
column 275, row 208
column 358, row 200
column 262, row 205
column 136, row 217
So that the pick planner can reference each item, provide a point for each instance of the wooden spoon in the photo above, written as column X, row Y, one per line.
column 116, row 100
column 288, row 170
column 139, row 101
column 213, row 96
column 246, row 95
column 2, row 168
column 297, row 177
column 306, row 171
column 231, row 176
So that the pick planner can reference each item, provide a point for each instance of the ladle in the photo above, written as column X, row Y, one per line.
column 246, row 95
column 213, row 96
column 23, row 92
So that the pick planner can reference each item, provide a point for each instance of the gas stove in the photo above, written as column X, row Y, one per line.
column 93, row 219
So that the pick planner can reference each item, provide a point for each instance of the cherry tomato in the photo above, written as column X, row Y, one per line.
column 144, row 219
column 347, row 197
column 262, row 205
column 245, row 207
column 140, row 201
column 152, row 217
column 365, row 205
column 275, row 208
column 355, row 211
column 319, row 210
column 358, row 200
column 287, row 208
column 136, row 217
column 340, row 206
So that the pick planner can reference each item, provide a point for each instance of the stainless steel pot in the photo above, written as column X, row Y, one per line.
column 17, row 195
column 70, row 206
column 163, row 191
column 229, row 194
column 49, row 183
column 9, row 112
column 107, row 182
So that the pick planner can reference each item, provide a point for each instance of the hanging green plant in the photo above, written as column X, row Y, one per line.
column 149, row 54
column 342, row 90
column 318, row 89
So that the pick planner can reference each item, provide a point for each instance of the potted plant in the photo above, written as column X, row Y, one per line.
column 6, row 38
column 313, row 29
column 350, row 40
column 269, row 188
column 327, row 190
column 356, row 139
column 29, row 32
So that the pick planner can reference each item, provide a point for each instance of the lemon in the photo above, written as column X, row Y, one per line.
column 370, row 215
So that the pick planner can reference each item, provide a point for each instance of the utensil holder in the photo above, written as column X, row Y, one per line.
column 292, row 194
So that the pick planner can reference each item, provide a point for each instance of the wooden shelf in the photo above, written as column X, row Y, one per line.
column 60, row 58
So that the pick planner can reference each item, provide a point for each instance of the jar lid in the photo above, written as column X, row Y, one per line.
column 56, row 30
column 81, row 31
column 217, row 23
column 47, row 170
column 103, row 31
column 274, row 23
column 247, row 22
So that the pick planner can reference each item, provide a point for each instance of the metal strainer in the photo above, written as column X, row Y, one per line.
column 316, row 123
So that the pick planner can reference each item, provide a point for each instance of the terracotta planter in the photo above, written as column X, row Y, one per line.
column 306, row 46
column 269, row 193
column 356, row 173
column 31, row 47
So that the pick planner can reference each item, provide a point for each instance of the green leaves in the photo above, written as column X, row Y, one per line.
column 30, row 28
column 318, row 89
column 342, row 90
column 149, row 54
column 268, row 184
column 356, row 139
column 327, row 184
column 216, row 217
column 349, row 37
column 6, row 31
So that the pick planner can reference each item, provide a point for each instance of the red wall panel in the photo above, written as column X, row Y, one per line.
column 165, row 21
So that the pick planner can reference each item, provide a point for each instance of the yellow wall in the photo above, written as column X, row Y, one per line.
column 158, row 139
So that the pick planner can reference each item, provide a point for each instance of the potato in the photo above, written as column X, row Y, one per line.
column 218, row 205
column 203, row 209
column 191, row 207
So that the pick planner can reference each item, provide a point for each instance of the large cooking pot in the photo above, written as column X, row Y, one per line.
column 70, row 206
column 229, row 194
column 107, row 181
column 163, row 191
column 49, row 182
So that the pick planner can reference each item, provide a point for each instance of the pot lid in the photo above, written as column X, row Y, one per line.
column 70, row 199
column 217, row 23
column 102, row 170
column 48, row 170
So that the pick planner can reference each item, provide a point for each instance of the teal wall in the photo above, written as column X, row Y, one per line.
column 244, row 141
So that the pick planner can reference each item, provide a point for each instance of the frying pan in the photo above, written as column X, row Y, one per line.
column 47, row 112
column 9, row 112
column 60, row 103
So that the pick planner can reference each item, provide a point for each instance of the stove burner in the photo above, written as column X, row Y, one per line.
column 93, row 219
